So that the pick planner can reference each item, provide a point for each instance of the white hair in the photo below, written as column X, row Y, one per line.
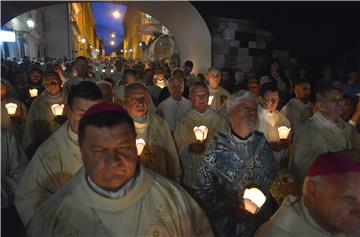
column 316, row 180
column 103, row 83
column 235, row 99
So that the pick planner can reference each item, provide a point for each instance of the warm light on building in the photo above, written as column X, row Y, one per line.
column 83, row 40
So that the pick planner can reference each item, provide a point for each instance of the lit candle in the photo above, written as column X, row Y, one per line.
column 201, row 133
column 283, row 132
column 11, row 108
column 33, row 92
column 140, row 144
column 57, row 109
column 254, row 199
column 210, row 99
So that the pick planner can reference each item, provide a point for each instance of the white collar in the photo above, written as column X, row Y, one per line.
column 206, row 113
column 121, row 192
column 312, row 222
column 73, row 136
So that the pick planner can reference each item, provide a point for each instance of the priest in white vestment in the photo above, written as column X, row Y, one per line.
column 174, row 107
column 41, row 121
column 270, row 119
column 13, row 165
column 113, row 194
column 58, row 158
column 325, row 131
column 329, row 206
column 16, row 122
column 299, row 109
column 218, row 95
column 191, row 151
column 159, row 153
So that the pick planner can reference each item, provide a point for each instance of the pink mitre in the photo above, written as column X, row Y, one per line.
column 335, row 164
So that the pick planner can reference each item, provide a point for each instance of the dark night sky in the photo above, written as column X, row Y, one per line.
column 314, row 32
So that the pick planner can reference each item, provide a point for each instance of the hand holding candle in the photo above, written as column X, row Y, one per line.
column 283, row 132
column 33, row 92
column 140, row 144
column 57, row 109
column 254, row 199
column 201, row 133
column 210, row 99
column 11, row 108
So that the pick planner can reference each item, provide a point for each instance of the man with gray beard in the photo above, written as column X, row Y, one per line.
column 233, row 162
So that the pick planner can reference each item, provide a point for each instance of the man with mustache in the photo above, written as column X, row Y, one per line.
column 233, row 162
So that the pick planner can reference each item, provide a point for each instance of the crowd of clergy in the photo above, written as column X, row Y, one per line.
column 126, row 148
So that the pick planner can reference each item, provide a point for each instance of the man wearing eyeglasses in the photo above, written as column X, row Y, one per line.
column 270, row 119
column 159, row 153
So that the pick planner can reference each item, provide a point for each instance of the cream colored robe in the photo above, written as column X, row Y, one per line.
column 155, row 206
column 292, row 219
column 159, row 153
column 13, row 165
column 21, row 112
column 184, row 136
column 172, row 110
column 268, row 124
column 40, row 122
column 297, row 112
column 317, row 136
column 51, row 167
column 220, row 95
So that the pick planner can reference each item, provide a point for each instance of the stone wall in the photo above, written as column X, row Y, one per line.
column 240, row 44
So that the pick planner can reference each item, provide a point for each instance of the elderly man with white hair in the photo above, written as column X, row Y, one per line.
column 235, row 161
column 106, row 91
column 330, row 202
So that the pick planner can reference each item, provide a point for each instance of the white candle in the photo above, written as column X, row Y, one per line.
column 57, row 109
column 283, row 132
column 33, row 92
column 201, row 133
column 11, row 108
column 210, row 99
column 254, row 199
column 140, row 144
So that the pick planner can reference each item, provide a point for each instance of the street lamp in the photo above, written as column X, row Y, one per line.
column 112, row 42
column 116, row 14
column 30, row 23
column 113, row 35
